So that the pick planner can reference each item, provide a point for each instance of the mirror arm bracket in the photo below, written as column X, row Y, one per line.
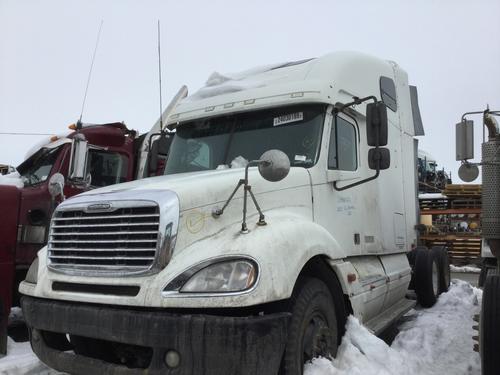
column 355, row 101
column 356, row 183
column 217, row 212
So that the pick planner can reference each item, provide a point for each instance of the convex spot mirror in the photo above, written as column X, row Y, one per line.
column 56, row 185
column 376, row 124
column 78, row 162
column 274, row 165
column 380, row 157
column 468, row 172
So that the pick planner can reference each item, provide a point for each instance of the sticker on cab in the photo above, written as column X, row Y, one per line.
column 285, row 119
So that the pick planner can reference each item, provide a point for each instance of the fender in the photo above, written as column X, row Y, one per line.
column 281, row 249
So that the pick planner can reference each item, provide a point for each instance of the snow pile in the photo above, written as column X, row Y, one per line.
column 239, row 162
column 433, row 341
column 431, row 196
column 218, row 84
column 12, row 179
column 22, row 361
column 471, row 268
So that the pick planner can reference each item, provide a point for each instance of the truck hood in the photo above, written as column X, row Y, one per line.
column 199, row 189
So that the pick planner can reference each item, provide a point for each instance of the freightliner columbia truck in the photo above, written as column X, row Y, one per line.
column 288, row 202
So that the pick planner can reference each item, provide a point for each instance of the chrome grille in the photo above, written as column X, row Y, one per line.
column 124, row 238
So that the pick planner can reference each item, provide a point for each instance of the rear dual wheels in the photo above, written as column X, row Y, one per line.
column 432, row 274
column 313, row 328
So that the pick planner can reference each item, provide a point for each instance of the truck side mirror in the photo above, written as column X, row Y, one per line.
column 465, row 140
column 56, row 186
column 376, row 124
column 78, row 173
column 379, row 158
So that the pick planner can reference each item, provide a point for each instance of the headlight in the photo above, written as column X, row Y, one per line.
column 223, row 276
column 32, row 275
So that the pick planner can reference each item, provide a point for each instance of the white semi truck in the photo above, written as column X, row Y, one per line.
column 244, row 259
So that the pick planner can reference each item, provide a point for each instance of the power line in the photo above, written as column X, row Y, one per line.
column 7, row 133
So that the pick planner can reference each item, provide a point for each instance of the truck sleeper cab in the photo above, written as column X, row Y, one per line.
column 160, row 275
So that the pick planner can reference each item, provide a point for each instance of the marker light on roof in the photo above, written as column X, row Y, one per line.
column 54, row 138
column 72, row 127
column 297, row 95
column 249, row 101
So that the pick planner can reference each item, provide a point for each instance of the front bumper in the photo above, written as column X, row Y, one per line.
column 206, row 344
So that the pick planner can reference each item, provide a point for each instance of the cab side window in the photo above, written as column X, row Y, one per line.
column 342, row 152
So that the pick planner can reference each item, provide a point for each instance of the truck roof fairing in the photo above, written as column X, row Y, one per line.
column 327, row 79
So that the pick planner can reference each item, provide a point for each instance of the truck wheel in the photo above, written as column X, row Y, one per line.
column 426, row 277
column 490, row 326
column 313, row 327
column 486, row 270
column 443, row 261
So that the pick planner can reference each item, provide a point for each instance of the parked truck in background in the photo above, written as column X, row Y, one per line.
column 489, row 319
column 219, row 269
column 431, row 179
column 89, row 157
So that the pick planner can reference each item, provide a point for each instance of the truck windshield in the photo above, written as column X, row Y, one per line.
column 37, row 168
column 231, row 141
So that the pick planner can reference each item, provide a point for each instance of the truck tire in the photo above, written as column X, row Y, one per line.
column 486, row 270
column 443, row 262
column 426, row 277
column 490, row 326
column 313, row 327
column 411, row 259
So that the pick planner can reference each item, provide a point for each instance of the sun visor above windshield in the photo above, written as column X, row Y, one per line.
column 44, row 143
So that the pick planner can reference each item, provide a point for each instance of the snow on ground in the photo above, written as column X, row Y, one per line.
column 432, row 341
column 22, row 361
column 471, row 268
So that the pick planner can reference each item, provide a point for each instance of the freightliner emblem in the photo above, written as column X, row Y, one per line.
column 99, row 207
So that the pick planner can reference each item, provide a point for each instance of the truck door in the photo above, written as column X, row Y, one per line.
column 351, row 215
column 341, row 212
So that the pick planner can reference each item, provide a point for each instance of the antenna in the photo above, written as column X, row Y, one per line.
column 159, row 76
column 79, row 122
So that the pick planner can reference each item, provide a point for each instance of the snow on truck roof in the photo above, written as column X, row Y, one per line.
column 59, row 139
column 425, row 155
column 321, row 80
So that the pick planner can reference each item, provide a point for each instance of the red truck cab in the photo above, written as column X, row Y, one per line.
column 26, row 211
